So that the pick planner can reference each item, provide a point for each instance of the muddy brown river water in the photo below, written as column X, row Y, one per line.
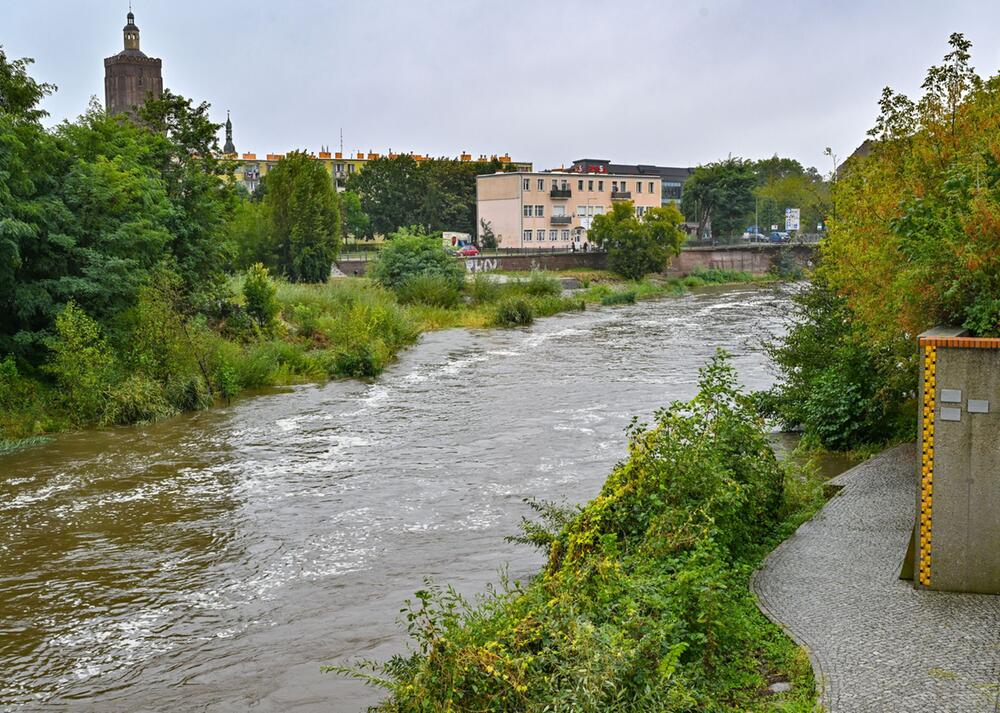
column 215, row 561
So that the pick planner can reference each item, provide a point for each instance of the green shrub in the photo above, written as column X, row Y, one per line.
column 359, row 361
column 429, row 289
column 619, row 297
column 550, row 305
column 513, row 312
column 718, row 276
column 306, row 318
column 483, row 289
column 260, row 293
column 831, row 383
column 540, row 285
column 82, row 364
column 409, row 254
column 138, row 399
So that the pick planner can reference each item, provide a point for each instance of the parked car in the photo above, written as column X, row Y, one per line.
column 754, row 238
column 468, row 251
column 778, row 237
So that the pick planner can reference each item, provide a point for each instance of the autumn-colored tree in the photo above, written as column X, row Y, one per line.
column 916, row 237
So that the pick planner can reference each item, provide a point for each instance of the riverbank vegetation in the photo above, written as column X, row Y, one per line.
column 915, row 242
column 644, row 602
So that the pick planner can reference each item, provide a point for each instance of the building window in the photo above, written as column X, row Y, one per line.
column 526, row 184
column 581, row 211
column 565, row 235
column 555, row 184
column 651, row 188
column 539, row 211
column 640, row 210
column 598, row 210
column 672, row 190
column 638, row 186
column 590, row 185
column 553, row 235
column 527, row 236
column 600, row 185
column 558, row 210
column 526, row 211
column 541, row 184
column 350, row 168
column 579, row 185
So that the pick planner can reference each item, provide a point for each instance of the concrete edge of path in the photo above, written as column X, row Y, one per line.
column 840, row 482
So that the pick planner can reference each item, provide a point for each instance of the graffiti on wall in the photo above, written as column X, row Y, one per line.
column 482, row 264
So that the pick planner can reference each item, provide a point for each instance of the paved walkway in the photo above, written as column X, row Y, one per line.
column 877, row 645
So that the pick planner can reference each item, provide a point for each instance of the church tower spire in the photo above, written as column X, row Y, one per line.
column 230, row 147
column 131, row 31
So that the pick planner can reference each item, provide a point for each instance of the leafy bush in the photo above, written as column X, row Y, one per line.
column 831, row 384
column 260, row 293
column 138, row 399
column 82, row 364
column 619, row 297
column 513, row 312
column 410, row 254
column 429, row 289
column 540, row 285
column 482, row 289
column 643, row 604
column 719, row 276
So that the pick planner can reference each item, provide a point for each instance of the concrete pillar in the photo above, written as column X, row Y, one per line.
column 958, row 493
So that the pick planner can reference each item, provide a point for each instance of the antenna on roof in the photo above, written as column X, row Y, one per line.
column 341, row 140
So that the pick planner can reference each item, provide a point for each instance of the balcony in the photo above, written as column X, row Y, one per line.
column 560, row 193
column 621, row 195
column 561, row 219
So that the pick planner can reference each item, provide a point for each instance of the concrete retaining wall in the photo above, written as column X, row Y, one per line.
column 755, row 259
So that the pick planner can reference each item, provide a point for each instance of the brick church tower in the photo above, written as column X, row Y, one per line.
column 130, row 76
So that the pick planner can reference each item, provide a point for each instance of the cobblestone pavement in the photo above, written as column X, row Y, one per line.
column 876, row 644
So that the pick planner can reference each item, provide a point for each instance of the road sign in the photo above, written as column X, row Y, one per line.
column 791, row 218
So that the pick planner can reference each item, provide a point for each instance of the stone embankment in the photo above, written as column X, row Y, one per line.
column 878, row 645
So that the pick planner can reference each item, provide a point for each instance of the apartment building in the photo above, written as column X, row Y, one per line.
column 673, row 178
column 555, row 209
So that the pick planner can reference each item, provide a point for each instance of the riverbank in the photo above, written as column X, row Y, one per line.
column 876, row 642
column 644, row 603
column 344, row 328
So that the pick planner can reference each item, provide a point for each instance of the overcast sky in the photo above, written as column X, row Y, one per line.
column 670, row 82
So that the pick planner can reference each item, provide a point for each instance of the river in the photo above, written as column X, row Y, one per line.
column 214, row 561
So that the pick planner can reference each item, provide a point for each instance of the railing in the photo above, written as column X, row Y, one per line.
column 561, row 219
column 621, row 195
column 560, row 193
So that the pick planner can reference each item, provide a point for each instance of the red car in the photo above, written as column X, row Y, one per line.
column 468, row 251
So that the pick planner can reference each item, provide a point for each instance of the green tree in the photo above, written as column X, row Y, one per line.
column 720, row 194
column 636, row 245
column 411, row 253
column 436, row 194
column 783, row 183
column 392, row 192
column 357, row 224
column 305, row 217
column 250, row 237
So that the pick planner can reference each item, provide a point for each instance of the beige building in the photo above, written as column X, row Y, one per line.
column 555, row 209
